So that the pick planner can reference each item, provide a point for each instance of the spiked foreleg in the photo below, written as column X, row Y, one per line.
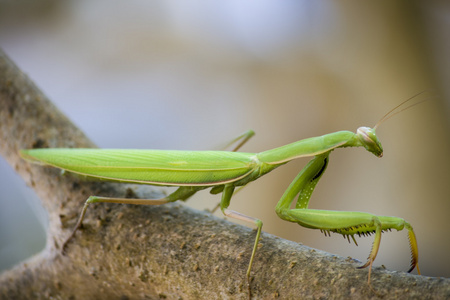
column 347, row 223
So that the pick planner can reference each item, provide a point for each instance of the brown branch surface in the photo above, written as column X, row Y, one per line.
column 169, row 251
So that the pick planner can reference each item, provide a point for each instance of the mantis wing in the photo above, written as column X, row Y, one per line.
column 156, row 167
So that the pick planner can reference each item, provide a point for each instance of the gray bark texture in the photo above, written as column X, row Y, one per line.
column 153, row 252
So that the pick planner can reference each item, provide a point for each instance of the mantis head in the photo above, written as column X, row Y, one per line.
column 369, row 140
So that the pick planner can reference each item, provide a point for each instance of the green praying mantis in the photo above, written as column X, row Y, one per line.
column 223, row 171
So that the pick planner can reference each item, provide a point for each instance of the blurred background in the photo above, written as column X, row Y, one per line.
column 192, row 75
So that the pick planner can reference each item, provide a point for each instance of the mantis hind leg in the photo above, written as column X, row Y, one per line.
column 182, row 193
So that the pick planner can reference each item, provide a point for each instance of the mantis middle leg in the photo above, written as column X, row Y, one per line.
column 224, row 203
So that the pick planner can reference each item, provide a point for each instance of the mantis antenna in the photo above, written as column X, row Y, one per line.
column 398, row 109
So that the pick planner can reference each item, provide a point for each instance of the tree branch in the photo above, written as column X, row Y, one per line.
column 170, row 251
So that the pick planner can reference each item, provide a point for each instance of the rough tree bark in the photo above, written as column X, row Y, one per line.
column 169, row 251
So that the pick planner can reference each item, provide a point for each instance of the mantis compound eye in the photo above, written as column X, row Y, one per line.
column 369, row 140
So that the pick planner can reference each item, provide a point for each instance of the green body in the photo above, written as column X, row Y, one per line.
column 183, row 168
column 224, row 170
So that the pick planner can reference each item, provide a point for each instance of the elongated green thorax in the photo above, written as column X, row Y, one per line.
column 310, row 147
column 314, row 146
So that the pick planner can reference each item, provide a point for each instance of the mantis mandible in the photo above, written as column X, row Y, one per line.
column 223, row 171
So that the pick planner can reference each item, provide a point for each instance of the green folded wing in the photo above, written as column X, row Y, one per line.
column 158, row 167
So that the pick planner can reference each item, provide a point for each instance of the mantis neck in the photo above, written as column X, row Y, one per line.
column 309, row 147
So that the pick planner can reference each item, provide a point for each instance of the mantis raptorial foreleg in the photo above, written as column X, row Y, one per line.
column 347, row 223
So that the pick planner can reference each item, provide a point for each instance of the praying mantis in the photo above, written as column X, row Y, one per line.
column 224, row 171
